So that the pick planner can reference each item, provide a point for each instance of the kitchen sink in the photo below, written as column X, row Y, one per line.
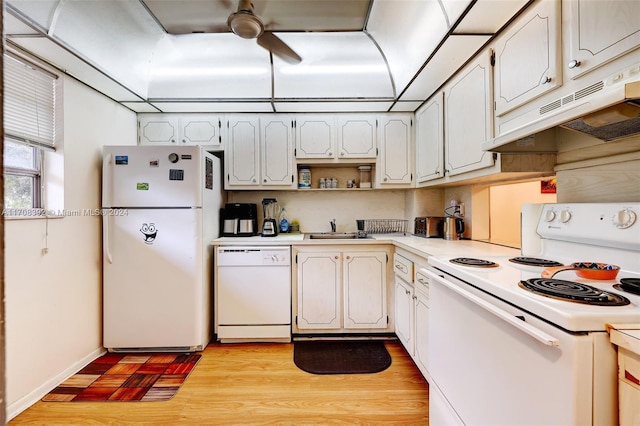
column 333, row 236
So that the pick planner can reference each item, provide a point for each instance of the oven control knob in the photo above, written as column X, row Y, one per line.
column 565, row 216
column 624, row 218
column 550, row 215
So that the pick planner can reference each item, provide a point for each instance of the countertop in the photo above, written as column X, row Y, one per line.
column 420, row 246
column 626, row 336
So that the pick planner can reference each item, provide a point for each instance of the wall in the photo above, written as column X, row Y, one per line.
column 54, row 300
column 314, row 209
column 504, row 209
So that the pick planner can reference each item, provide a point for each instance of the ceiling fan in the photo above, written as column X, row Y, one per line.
column 246, row 24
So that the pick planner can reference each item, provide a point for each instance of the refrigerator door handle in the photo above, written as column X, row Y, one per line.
column 105, row 237
column 107, row 195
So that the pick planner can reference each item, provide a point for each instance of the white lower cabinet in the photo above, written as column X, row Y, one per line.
column 340, row 289
column 411, row 312
column 421, row 306
column 405, row 314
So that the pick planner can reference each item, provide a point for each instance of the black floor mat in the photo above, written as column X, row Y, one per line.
column 341, row 357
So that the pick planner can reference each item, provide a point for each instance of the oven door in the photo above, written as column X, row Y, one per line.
column 493, row 364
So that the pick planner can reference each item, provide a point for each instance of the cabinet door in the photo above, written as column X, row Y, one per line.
column 201, row 129
column 468, row 118
column 394, row 163
column 315, row 136
column 421, row 303
column 157, row 129
column 404, row 314
column 365, row 289
column 242, row 153
column 277, row 152
column 430, row 140
column 357, row 136
column 599, row 31
column 528, row 56
column 319, row 290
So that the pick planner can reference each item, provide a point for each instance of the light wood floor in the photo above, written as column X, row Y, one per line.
column 244, row 384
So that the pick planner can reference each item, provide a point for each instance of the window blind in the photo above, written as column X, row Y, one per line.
column 29, row 108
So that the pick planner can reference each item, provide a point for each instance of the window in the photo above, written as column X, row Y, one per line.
column 29, row 125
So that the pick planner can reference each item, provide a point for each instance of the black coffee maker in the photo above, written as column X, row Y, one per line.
column 271, row 210
column 239, row 220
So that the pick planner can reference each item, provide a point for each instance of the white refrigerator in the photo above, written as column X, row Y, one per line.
column 161, row 210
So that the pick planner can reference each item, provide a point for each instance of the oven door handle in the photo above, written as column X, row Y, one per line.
column 521, row 325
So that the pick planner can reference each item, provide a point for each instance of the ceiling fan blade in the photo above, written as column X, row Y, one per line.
column 271, row 42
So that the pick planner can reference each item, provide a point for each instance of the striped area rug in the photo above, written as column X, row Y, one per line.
column 127, row 377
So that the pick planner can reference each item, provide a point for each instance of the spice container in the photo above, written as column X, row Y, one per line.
column 365, row 176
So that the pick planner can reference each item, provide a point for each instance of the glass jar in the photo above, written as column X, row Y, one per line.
column 365, row 176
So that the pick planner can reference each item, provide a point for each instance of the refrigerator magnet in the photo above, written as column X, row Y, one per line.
column 122, row 159
column 154, row 163
column 142, row 186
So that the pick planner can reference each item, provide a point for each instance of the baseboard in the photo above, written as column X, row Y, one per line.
column 345, row 336
column 36, row 395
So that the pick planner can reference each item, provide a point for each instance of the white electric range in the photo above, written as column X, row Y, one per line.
column 500, row 353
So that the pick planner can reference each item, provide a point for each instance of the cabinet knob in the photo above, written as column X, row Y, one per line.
column 253, row 180
column 335, row 257
column 184, row 141
column 385, row 179
column 330, row 154
column 342, row 154
column 264, row 180
column 173, row 141
column 407, row 292
column 574, row 63
column 348, row 257
column 545, row 80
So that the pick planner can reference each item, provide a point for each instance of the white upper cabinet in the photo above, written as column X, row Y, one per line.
column 528, row 57
column 430, row 140
column 277, row 151
column 259, row 153
column 242, row 152
column 357, row 136
column 315, row 136
column 395, row 162
column 468, row 118
column 180, row 129
column 599, row 31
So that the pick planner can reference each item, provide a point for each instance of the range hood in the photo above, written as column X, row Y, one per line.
column 607, row 109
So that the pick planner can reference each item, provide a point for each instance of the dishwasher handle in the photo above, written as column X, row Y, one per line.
column 518, row 323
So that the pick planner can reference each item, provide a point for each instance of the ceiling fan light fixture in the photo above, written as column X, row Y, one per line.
column 245, row 24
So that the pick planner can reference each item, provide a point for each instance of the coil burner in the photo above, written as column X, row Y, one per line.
column 630, row 285
column 477, row 263
column 534, row 261
column 573, row 292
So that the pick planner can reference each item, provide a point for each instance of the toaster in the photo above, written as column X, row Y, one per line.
column 429, row 226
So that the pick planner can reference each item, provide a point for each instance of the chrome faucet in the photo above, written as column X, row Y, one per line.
column 333, row 225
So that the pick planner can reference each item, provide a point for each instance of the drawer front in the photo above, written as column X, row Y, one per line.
column 403, row 267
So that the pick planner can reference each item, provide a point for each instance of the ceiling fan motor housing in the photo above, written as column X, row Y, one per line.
column 244, row 23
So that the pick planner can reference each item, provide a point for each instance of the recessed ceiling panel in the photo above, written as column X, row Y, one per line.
column 76, row 67
column 39, row 12
column 188, row 16
column 209, row 66
column 334, row 65
column 407, row 31
column 488, row 16
column 451, row 56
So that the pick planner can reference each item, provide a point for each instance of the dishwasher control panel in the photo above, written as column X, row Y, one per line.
column 256, row 256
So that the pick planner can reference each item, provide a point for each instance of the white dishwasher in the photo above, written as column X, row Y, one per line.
column 253, row 294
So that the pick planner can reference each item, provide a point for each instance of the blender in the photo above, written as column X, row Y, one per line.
column 271, row 210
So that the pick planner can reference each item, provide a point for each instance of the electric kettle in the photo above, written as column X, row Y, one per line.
column 453, row 228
